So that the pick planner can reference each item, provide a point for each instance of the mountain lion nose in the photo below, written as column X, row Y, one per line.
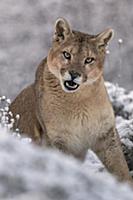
column 74, row 74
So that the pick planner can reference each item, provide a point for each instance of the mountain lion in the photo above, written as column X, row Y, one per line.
column 67, row 107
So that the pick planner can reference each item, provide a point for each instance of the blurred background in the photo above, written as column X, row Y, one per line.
column 26, row 29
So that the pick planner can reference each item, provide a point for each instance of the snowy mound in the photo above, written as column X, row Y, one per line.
column 122, row 102
column 30, row 173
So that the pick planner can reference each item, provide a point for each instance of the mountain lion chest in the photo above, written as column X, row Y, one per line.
column 77, row 125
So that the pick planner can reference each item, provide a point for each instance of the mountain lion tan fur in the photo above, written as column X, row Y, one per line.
column 67, row 107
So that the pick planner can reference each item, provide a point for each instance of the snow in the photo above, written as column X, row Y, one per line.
column 121, row 99
column 29, row 172
column 120, row 41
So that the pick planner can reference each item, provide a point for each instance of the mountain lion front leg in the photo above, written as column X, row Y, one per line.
column 109, row 150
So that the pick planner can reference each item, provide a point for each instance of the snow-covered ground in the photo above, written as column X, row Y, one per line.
column 30, row 173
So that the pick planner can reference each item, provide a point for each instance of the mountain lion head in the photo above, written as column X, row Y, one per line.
column 76, row 58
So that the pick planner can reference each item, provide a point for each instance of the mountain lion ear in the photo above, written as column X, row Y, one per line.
column 62, row 30
column 104, row 37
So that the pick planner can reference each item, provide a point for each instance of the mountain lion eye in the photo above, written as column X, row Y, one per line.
column 67, row 55
column 89, row 60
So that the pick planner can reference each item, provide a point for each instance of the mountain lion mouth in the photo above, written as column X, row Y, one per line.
column 70, row 85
